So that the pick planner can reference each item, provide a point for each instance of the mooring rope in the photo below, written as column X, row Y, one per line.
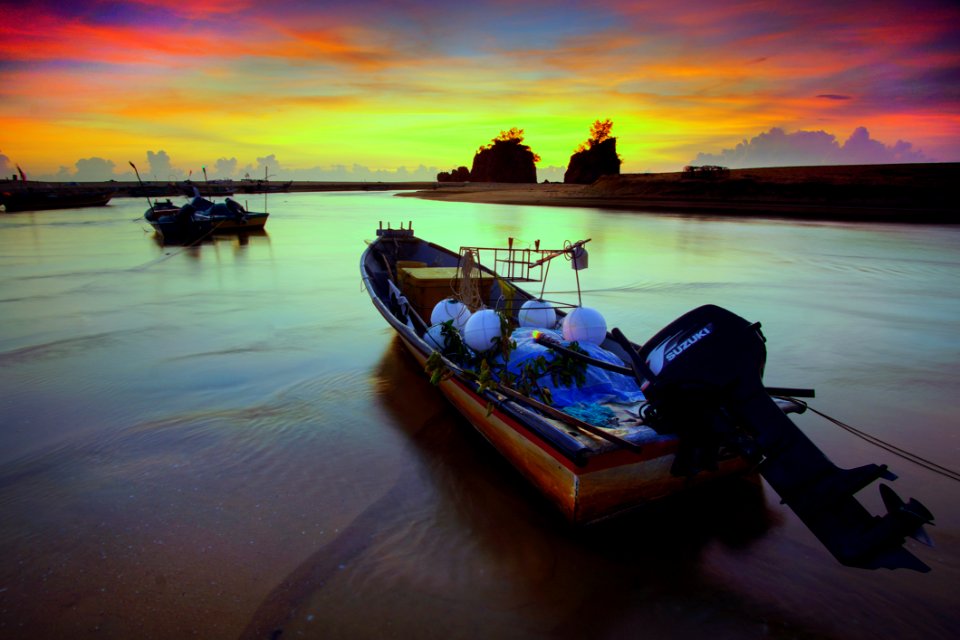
column 179, row 249
column 897, row 451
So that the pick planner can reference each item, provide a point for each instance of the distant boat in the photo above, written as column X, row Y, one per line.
column 248, row 185
column 201, row 218
column 153, row 190
column 39, row 198
column 206, row 189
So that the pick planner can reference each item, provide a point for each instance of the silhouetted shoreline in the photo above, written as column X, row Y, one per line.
column 903, row 193
column 156, row 188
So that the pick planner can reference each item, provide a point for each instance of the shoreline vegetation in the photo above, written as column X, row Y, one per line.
column 904, row 193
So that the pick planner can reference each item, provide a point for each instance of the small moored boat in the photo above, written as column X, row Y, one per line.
column 248, row 185
column 40, row 198
column 200, row 218
column 601, row 425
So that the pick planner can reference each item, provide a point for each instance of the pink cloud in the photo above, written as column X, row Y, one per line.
column 777, row 148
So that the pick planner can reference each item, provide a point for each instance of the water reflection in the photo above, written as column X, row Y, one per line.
column 227, row 436
column 240, row 239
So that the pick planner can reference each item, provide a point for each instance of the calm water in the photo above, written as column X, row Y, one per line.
column 225, row 440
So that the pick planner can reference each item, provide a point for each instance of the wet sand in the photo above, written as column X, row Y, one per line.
column 919, row 193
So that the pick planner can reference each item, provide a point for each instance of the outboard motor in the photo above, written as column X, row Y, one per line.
column 200, row 203
column 703, row 380
column 185, row 213
column 235, row 208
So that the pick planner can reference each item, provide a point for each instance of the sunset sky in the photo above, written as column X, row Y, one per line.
column 303, row 85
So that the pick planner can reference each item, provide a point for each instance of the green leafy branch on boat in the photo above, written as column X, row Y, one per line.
column 563, row 370
column 436, row 368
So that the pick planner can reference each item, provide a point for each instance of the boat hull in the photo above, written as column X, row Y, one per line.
column 252, row 221
column 599, row 487
column 53, row 199
column 174, row 227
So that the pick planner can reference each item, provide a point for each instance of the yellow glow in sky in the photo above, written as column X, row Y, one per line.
column 382, row 86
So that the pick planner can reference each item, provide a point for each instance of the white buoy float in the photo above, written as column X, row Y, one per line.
column 450, row 309
column 537, row 313
column 584, row 324
column 482, row 327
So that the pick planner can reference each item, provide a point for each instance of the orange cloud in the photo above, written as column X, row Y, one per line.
column 328, row 45
column 199, row 8
column 668, row 75
column 41, row 37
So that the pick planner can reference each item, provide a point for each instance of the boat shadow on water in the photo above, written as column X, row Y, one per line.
column 461, row 494
column 239, row 239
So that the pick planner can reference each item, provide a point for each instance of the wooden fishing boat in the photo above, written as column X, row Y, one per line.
column 697, row 411
column 586, row 475
column 230, row 217
column 249, row 185
column 40, row 198
column 200, row 218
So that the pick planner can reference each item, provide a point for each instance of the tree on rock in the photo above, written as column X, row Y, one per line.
column 594, row 158
column 505, row 159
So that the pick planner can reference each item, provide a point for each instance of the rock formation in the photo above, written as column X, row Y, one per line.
column 597, row 157
column 505, row 159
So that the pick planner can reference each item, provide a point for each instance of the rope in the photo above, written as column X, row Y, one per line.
column 897, row 451
column 180, row 249
column 508, row 296
column 469, row 293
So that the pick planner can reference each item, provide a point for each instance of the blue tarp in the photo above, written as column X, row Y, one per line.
column 600, row 386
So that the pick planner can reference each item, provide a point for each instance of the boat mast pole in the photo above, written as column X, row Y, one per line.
column 141, row 184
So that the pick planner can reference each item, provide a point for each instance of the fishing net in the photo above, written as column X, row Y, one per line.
column 594, row 413
column 600, row 385
column 468, row 292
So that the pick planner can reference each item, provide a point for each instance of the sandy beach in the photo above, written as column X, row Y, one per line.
column 919, row 193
